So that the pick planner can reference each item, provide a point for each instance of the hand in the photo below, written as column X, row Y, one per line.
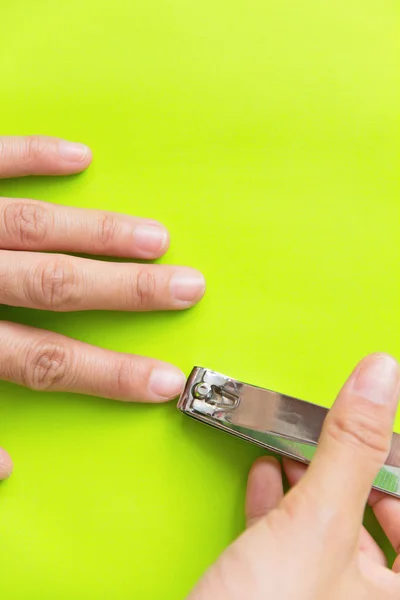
column 30, row 277
column 310, row 544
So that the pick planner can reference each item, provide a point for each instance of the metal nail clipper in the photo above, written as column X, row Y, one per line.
column 277, row 422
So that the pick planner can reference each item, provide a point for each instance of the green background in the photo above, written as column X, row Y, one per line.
column 265, row 135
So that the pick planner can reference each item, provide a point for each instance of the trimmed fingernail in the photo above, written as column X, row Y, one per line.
column 72, row 152
column 377, row 379
column 187, row 286
column 150, row 239
column 165, row 382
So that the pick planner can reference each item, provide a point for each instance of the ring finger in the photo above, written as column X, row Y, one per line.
column 41, row 360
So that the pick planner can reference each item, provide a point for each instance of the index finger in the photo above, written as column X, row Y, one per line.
column 355, row 440
column 41, row 155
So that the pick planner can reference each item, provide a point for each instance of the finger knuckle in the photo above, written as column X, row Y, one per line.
column 359, row 430
column 54, row 285
column 26, row 149
column 126, row 374
column 7, row 362
column 31, row 148
column 107, row 229
column 145, row 288
column 25, row 222
column 47, row 365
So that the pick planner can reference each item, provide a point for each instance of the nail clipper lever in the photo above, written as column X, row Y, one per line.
column 277, row 422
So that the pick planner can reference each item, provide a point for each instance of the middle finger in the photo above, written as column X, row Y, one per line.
column 65, row 284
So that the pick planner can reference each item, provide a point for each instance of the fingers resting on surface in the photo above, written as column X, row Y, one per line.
column 57, row 282
column 46, row 361
column 41, row 226
column 66, row 283
column 34, row 225
column 41, row 155
column 30, row 278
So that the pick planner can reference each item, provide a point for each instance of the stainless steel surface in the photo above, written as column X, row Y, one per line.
column 280, row 423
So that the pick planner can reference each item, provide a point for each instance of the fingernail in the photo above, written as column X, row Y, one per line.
column 165, row 382
column 72, row 152
column 377, row 380
column 150, row 239
column 187, row 286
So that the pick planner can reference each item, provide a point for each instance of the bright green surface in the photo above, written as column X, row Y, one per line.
column 265, row 134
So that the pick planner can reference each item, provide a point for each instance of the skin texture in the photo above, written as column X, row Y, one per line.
column 35, row 273
column 310, row 544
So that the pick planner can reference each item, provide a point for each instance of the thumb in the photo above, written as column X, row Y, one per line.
column 355, row 439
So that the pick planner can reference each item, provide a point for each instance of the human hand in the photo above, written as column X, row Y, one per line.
column 31, row 277
column 310, row 544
